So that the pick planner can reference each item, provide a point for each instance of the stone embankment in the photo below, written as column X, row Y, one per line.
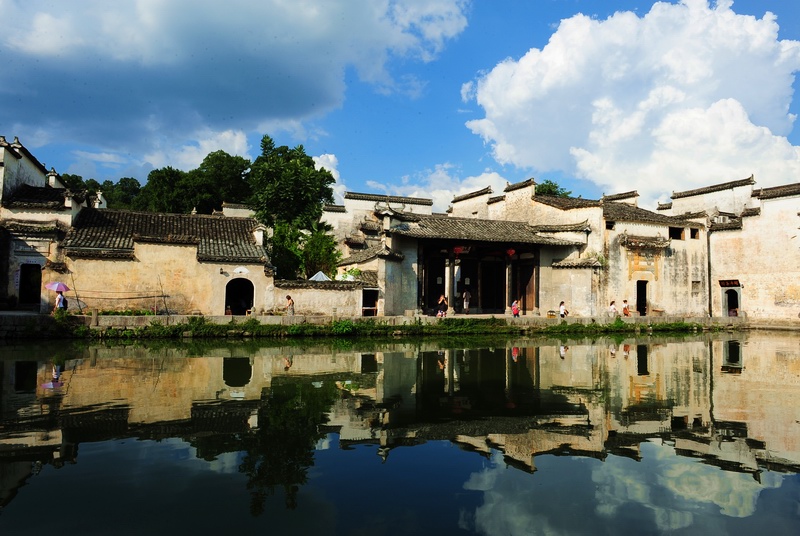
column 15, row 325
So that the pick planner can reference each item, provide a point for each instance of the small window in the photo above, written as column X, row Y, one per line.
column 610, row 225
column 694, row 234
column 695, row 288
column 676, row 233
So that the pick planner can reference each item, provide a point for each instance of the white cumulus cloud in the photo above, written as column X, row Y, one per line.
column 687, row 95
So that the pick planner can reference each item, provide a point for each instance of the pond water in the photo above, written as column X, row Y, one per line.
column 648, row 435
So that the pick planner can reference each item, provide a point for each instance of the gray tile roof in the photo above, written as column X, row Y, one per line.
column 714, row 188
column 388, row 198
column 371, row 253
column 519, row 185
column 586, row 262
column 475, row 230
column 334, row 208
column 321, row 285
column 664, row 206
column 17, row 150
column 623, row 195
column 566, row 203
column 644, row 242
column 495, row 199
column 43, row 197
column 786, row 190
column 34, row 228
column 692, row 215
column 112, row 234
column 470, row 195
column 369, row 278
column 624, row 212
column 613, row 211
column 729, row 226
column 567, row 227
column 748, row 212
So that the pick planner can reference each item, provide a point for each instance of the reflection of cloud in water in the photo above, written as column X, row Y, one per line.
column 324, row 443
column 511, row 505
column 674, row 487
column 567, row 495
column 226, row 463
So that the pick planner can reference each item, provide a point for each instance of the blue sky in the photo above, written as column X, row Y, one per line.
column 428, row 98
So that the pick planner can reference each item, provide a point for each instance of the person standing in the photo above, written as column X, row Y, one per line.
column 61, row 302
column 562, row 310
column 289, row 305
column 626, row 310
column 467, row 297
column 515, row 308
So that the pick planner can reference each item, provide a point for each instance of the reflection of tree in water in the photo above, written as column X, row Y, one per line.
column 281, row 450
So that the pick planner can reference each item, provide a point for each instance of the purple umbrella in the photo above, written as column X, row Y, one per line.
column 57, row 286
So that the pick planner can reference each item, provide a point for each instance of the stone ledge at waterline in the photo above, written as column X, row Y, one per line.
column 21, row 325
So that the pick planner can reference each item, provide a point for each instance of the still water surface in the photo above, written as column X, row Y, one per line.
column 696, row 435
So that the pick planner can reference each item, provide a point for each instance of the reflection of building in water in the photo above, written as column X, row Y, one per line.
column 730, row 400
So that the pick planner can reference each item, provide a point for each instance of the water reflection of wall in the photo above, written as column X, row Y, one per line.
column 527, row 399
column 760, row 393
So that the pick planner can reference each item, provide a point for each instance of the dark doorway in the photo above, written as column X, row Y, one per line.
column 25, row 376
column 642, row 368
column 369, row 302
column 733, row 357
column 434, row 282
column 732, row 302
column 236, row 371
column 30, row 284
column 493, row 286
column 526, row 287
column 641, row 298
column 468, row 270
column 239, row 296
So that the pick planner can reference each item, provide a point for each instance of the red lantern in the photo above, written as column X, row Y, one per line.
column 510, row 252
column 458, row 250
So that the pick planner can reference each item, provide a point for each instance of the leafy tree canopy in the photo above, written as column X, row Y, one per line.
column 548, row 187
column 319, row 252
column 287, row 187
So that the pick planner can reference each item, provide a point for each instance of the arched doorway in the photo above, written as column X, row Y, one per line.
column 239, row 295
column 236, row 371
column 731, row 302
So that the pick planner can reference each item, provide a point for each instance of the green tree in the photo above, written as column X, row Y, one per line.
column 286, row 254
column 228, row 175
column 319, row 252
column 287, row 187
column 163, row 192
column 73, row 182
column 548, row 187
column 122, row 194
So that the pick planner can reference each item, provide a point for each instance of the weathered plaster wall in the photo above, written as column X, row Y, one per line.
column 765, row 257
column 314, row 300
column 17, row 171
column 576, row 287
column 763, row 394
column 474, row 207
column 517, row 203
column 730, row 200
column 159, row 269
column 676, row 276
column 399, row 279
